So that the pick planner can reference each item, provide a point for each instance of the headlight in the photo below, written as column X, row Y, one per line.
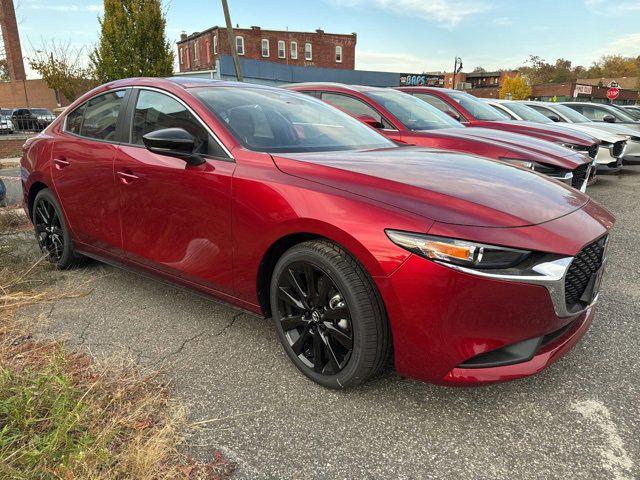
column 457, row 252
column 528, row 164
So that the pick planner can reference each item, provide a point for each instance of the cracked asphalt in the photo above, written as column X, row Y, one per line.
column 578, row 419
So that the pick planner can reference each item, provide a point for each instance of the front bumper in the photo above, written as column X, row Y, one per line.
column 632, row 153
column 442, row 318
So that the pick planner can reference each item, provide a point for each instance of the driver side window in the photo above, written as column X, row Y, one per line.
column 354, row 106
column 156, row 111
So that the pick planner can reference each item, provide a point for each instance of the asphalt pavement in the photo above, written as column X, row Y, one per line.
column 580, row 418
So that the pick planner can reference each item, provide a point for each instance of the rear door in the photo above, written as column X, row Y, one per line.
column 82, row 169
column 176, row 217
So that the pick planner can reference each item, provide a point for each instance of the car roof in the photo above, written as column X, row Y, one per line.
column 184, row 82
column 353, row 88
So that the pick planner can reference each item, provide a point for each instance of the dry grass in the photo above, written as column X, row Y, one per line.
column 13, row 220
column 62, row 416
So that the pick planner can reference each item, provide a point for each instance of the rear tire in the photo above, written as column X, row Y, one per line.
column 335, row 332
column 52, row 233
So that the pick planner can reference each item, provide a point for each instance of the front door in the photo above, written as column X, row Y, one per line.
column 82, row 170
column 175, row 217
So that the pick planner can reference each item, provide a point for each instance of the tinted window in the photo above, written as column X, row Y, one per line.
column 525, row 112
column 275, row 120
column 501, row 110
column 74, row 120
column 155, row 111
column 101, row 116
column 413, row 112
column 478, row 109
column 353, row 106
column 435, row 101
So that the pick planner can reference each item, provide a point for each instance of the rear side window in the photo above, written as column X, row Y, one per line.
column 354, row 106
column 155, row 111
column 100, row 116
column 74, row 120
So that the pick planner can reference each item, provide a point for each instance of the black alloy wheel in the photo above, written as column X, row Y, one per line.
column 48, row 229
column 329, row 315
column 315, row 318
column 52, row 233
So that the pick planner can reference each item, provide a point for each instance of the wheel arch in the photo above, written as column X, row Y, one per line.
column 34, row 189
column 285, row 241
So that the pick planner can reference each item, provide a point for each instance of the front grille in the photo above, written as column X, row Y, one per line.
column 587, row 262
column 593, row 150
column 617, row 148
column 579, row 175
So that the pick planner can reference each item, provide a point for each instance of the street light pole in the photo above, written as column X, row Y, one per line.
column 232, row 43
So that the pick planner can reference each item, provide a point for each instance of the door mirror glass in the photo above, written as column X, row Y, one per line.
column 553, row 117
column 369, row 120
column 609, row 119
column 173, row 142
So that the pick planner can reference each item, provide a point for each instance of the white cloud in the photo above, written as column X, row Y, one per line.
column 502, row 21
column 612, row 8
column 628, row 46
column 66, row 7
column 395, row 62
column 447, row 13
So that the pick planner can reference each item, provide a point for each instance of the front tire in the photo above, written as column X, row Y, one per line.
column 52, row 233
column 328, row 315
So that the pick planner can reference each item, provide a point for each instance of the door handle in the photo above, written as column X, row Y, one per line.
column 61, row 162
column 127, row 177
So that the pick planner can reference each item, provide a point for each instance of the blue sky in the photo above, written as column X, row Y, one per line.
column 393, row 35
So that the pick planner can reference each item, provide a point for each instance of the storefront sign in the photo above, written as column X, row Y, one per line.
column 421, row 80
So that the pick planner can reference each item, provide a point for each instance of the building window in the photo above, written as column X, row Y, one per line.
column 338, row 54
column 195, row 51
column 308, row 54
column 294, row 50
column 265, row 47
column 282, row 49
column 207, row 46
column 240, row 45
column 215, row 44
column 181, row 55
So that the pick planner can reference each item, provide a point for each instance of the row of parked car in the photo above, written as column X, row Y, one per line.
column 24, row 119
column 534, row 135
column 422, row 226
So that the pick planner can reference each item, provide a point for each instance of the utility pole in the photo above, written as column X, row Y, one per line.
column 231, row 41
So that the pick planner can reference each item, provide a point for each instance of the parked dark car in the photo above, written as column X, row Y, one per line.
column 461, row 269
column 32, row 118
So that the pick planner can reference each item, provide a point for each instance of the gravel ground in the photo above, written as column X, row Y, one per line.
column 578, row 419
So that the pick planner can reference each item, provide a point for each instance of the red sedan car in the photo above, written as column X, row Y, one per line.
column 406, row 119
column 473, row 112
column 466, row 269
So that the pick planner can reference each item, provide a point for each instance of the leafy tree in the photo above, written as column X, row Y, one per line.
column 517, row 87
column 61, row 68
column 132, row 41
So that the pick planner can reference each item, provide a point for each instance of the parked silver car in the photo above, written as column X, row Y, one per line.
column 568, row 115
column 612, row 145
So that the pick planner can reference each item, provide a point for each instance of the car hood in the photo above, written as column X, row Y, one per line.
column 441, row 185
column 619, row 128
column 594, row 131
column 521, row 146
column 551, row 132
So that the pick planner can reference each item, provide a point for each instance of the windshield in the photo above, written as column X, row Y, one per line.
column 40, row 111
column 478, row 109
column 571, row 114
column 5, row 111
column 526, row 113
column 633, row 111
column 270, row 120
column 619, row 114
column 414, row 113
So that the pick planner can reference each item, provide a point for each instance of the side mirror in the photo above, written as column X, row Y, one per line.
column 554, row 118
column 369, row 120
column 453, row 115
column 609, row 119
column 173, row 142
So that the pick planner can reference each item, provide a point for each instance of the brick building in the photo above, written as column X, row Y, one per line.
column 198, row 51
column 567, row 91
column 480, row 84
